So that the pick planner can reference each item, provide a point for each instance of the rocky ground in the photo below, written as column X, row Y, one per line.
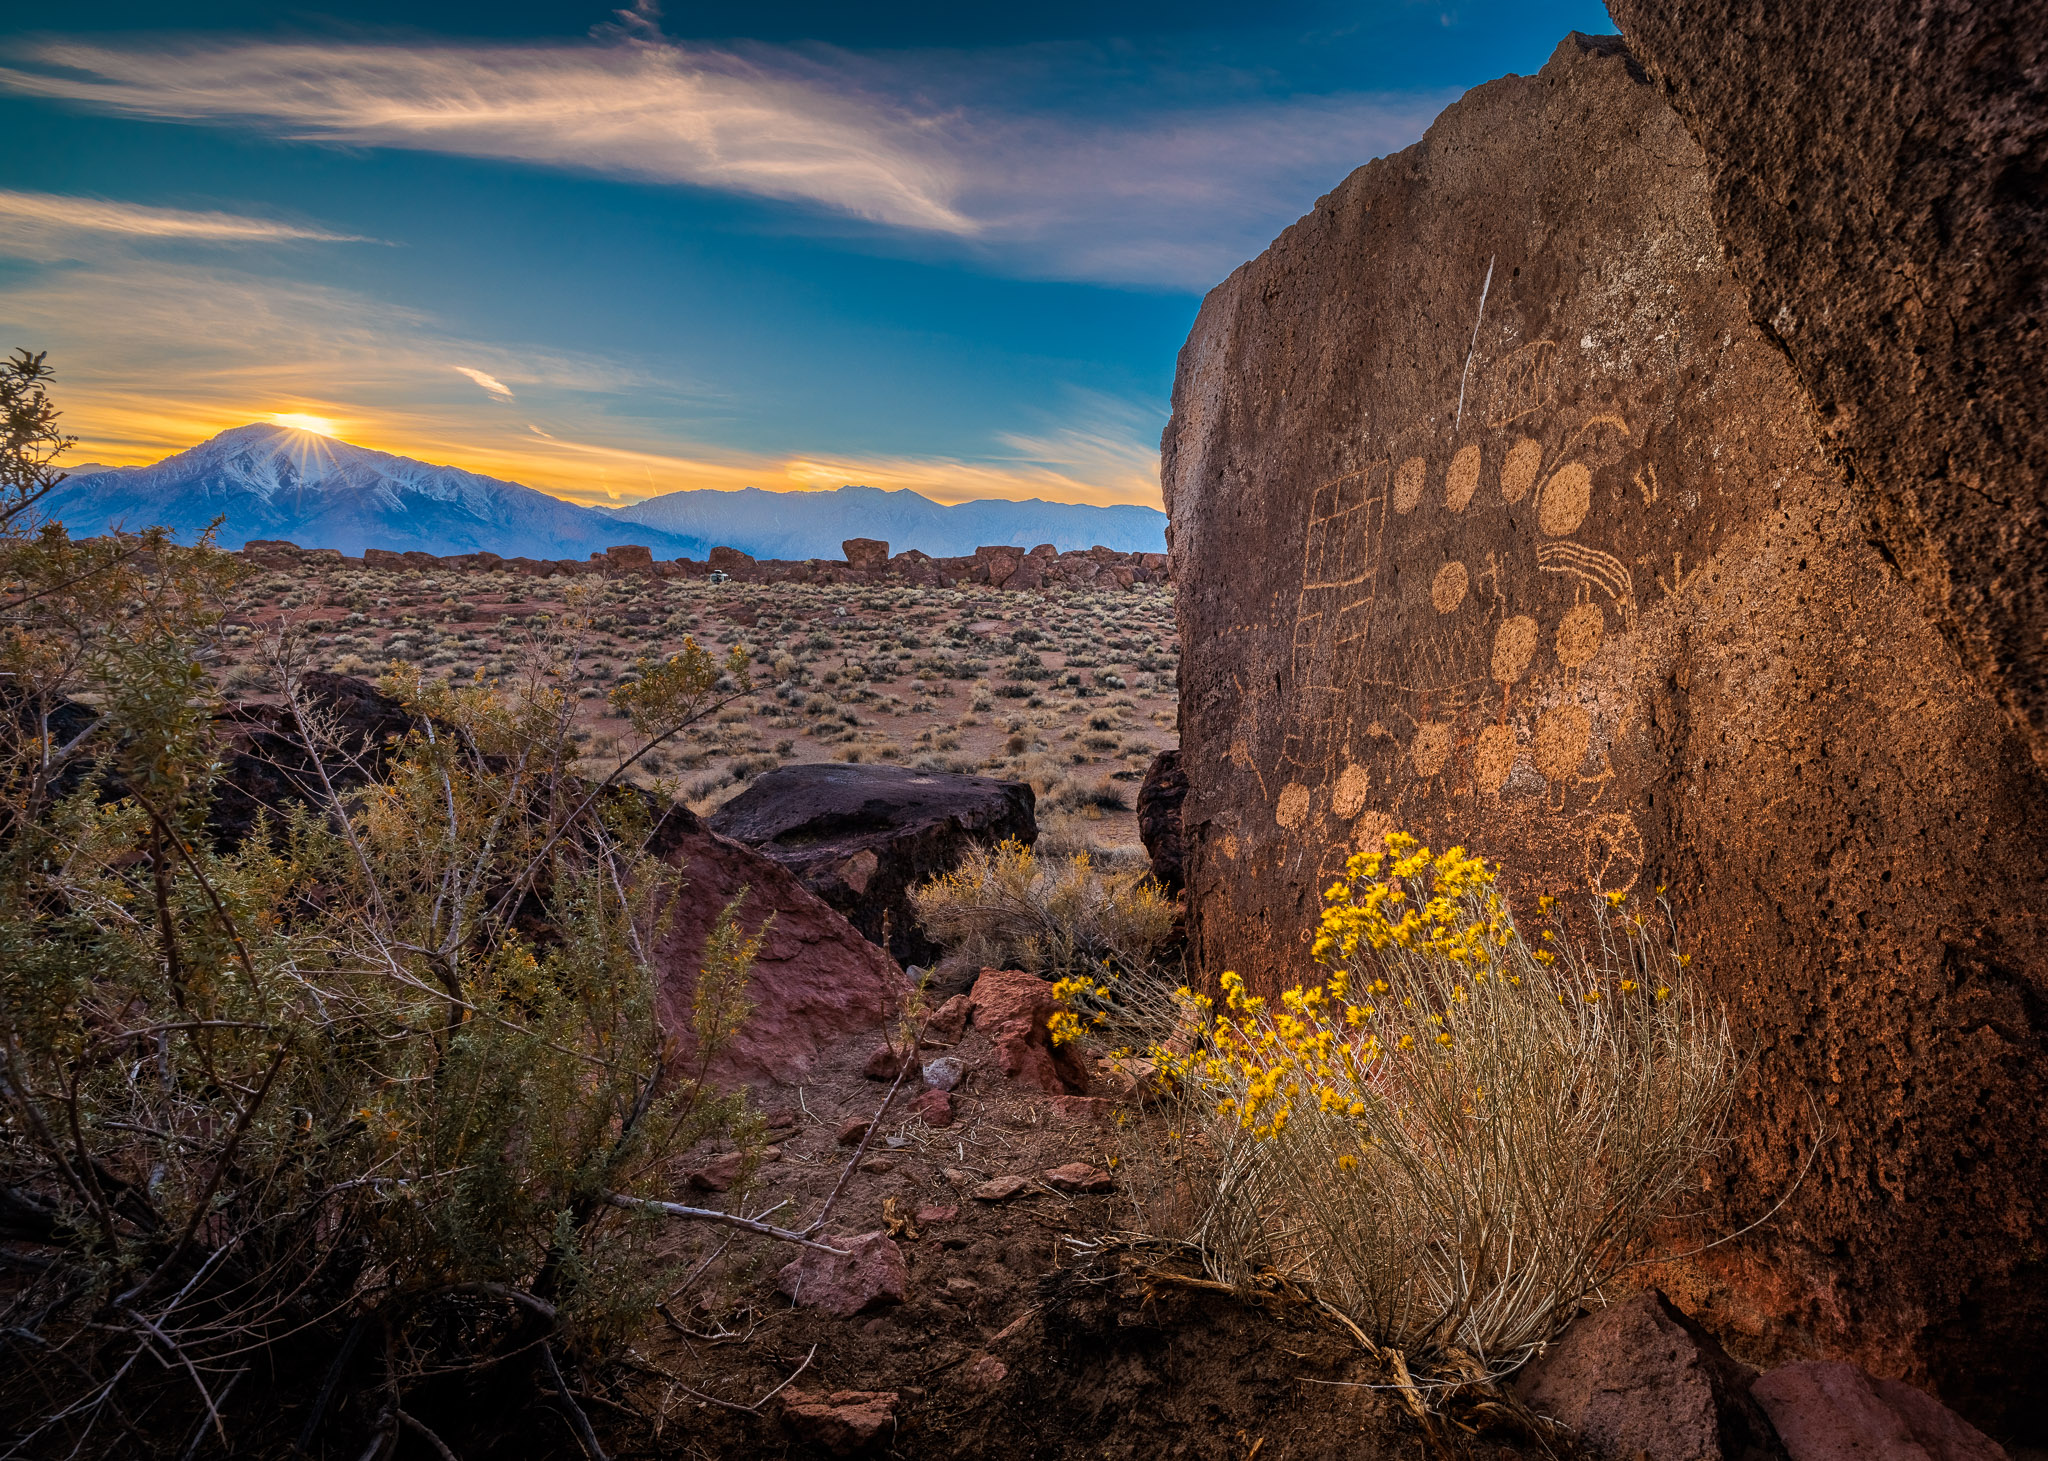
column 1072, row 690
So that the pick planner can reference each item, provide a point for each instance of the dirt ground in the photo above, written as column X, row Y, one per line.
column 1071, row 691
column 1028, row 1329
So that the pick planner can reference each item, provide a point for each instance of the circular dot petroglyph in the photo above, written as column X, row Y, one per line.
column 1518, row 472
column 1432, row 747
column 1408, row 485
column 1562, row 505
column 1448, row 589
column 1562, row 734
column 1463, row 478
column 1578, row 637
column 1494, row 757
column 1292, row 809
column 1229, row 848
column 1348, row 800
column 1513, row 647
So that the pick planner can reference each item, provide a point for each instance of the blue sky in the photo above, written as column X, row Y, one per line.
column 613, row 254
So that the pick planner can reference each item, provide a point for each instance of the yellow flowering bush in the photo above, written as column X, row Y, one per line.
column 1457, row 1132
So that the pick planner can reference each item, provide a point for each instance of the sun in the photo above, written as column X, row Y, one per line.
column 318, row 425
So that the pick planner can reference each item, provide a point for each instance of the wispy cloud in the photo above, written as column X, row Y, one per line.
column 489, row 382
column 1159, row 182
column 636, row 109
column 33, row 221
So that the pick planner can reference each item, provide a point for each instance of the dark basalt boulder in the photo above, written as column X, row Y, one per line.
column 1497, row 518
column 1160, row 796
column 861, row 837
column 1880, row 182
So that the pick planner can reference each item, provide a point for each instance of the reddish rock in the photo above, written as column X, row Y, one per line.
column 935, row 1108
column 868, row 554
column 862, row 836
column 729, row 560
column 1002, row 1189
column 816, row 981
column 872, row 1274
column 1831, row 1411
column 842, row 1423
column 1028, row 574
column 888, row 1062
column 1640, row 1379
column 1586, row 593
column 716, row 1175
column 854, row 1131
column 630, row 556
column 1012, row 1008
column 949, row 1021
column 985, row 1372
column 1079, row 1177
column 382, row 558
column 1092, row 1109
column 1160, row 796
column 938, row 1213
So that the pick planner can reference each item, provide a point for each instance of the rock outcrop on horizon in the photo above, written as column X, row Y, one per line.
column 1880, row 180
column 1497, row 518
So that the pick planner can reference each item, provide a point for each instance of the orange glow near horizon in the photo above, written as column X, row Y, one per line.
column 299, row 421
column 127, row 430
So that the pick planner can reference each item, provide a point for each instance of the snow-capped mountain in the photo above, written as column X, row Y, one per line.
column 273, row 482
column 772, row 525
column 269, row 481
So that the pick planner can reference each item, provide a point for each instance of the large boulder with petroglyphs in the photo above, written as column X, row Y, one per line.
column 1496, row 518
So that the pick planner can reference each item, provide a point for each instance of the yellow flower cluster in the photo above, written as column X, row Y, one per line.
column 1080, row 1002
column 1411, row 940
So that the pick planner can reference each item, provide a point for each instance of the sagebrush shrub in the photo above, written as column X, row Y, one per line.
column 1454, row 1136
column 1012, row 909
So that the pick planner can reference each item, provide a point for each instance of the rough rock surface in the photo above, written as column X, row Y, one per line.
column 1160, row 796
column 1641, row 1379
column 1012, row 1007
column 815, row 980
column 1881, row 184
column 1555, row 566
column 1830, row 1411
column 862, row 836
column 843, row 1423
column 871, row 1274
column 870, row 555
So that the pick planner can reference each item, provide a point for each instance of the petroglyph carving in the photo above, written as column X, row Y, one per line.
column 1448, row 589
column 1524, row 383
column 1603, row 570
column 1432, row 747
column 1578, row 636
column 1565, row 499
column 1513, row 647
column 1292, row 809
column 1333, row 613
column 1493, row 758
column 1518, row 472
column 1562, row 734
column 1352, row 787
column 1462, row 480
column 1614, row 852
column 1408, row 484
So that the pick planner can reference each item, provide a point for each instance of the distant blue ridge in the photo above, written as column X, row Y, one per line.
column 270, row 481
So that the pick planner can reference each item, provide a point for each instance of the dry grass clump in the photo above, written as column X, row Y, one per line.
column 1011, row 909
column 1457, row 1135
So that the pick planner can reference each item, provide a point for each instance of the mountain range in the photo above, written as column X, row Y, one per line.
column 267, row 481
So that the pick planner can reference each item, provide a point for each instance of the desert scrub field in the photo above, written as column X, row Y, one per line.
column 1072, row 691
